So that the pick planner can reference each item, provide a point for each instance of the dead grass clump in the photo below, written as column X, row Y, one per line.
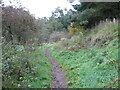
column 100, row 36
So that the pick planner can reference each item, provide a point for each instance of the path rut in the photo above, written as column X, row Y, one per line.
column 59, row 81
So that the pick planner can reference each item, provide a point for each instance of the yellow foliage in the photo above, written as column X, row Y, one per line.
column 74, row 27
column 71, row 30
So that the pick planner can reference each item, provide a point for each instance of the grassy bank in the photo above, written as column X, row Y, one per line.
column 91, row 61
column 25, row 68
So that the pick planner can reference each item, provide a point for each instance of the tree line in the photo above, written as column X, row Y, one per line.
column 21, row 27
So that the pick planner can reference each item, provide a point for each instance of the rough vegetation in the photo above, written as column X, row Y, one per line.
column 83, row 41
column 97, row 37
column 25, row 68
column 95, row 62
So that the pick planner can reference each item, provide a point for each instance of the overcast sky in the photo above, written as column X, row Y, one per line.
column 43, row 8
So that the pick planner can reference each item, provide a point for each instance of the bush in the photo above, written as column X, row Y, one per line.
column 25, row 67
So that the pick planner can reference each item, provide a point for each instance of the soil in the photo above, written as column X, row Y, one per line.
column 59, row 80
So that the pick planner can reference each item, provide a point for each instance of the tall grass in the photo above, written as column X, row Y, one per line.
column 98, row 37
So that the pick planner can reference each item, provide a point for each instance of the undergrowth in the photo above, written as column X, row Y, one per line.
column 92, row 62
column 25, row 68
column 97, row 37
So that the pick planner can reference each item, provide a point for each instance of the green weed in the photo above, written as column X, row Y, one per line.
column 25, row 68
column 95, row 64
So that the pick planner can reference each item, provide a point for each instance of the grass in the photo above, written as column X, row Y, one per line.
column 90, row 68
column 95, row 64
column 90, row 61
column 96, row 37
column 42, row 66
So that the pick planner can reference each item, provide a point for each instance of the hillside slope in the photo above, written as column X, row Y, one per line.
column 90, row 61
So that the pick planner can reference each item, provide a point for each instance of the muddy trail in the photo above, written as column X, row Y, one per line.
column 59, row 81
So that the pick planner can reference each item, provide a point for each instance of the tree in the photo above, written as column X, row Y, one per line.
column 42, row 32
column 54, row 25
column 57, row 13
column 89, row 13
column 63, row 16
column 16, row 23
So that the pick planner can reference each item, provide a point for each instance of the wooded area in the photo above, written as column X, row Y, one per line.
column 81, row 39
column 20, row 27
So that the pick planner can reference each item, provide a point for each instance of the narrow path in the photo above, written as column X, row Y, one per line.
column 59, row 80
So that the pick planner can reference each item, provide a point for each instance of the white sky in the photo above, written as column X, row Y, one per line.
column 43, row 8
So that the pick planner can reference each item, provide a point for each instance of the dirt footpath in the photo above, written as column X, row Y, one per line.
column 59, row 81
